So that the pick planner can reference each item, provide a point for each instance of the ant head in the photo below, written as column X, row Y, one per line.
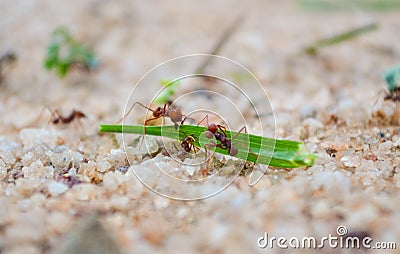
column 56, row 120
column 158, row 112
column 79, row 114
column 213, row 128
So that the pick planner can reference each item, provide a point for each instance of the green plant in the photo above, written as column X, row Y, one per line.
column 392, row 77
column 262, row 150
column 345, row 36
column 64, row 52
column 168, row 92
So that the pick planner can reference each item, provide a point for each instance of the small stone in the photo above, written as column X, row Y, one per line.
column 350, row 161
column 59, row 222
column 3, row 170
column 85, row 191
column 34, row 136
column 56, row 188
column 9, row 189
column 308, row 111
column 385, row 147
column 119, row 203
column 103, row 165
column 65, row 158
column 113, row 181
column 312, row 125
column 26, row 187
column 161, row 202
column 117, row 158
column 88, row 172
column 7, row 157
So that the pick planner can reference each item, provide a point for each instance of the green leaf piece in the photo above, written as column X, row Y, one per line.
column 252, row 148
column 168, row 92
column 392, row 77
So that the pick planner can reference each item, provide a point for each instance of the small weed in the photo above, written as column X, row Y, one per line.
column 64, row 53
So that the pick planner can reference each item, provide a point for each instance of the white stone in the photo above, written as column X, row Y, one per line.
column 56, row 188
column 34, row 136
column 3, row 170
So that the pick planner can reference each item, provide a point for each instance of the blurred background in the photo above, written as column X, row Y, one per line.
column 131, row 37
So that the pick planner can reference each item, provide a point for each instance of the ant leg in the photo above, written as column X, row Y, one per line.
column 56, row 116
column 185, row 117
column 204, row 172
column 34, row 122
column 130, row 109
column 222, row 129
column 237, row 134
column 83, row 130
column 144, row 129
column 204, row 118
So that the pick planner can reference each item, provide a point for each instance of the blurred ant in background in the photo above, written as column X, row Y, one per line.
column 6, row 60
column 57, row 118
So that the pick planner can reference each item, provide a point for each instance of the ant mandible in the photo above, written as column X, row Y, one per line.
column 168, row 110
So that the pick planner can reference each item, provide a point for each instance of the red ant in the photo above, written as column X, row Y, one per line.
column 58, row 118
column 187, row 144
column 75, row 114
column 219, row 132
column 394, row 95
column 168, row 110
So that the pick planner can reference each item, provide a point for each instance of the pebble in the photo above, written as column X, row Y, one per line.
column 26, row 187
column 7, row 157
column 56, row 188
column 103, row 165
column 64, row 159
column 85, row 191
column 3, row 170
column 350, row 161
column 33, row 136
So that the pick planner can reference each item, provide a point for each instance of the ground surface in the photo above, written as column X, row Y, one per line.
column 54, row 178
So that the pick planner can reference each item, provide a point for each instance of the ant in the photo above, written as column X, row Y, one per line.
column 187, row 143
column 219, row 132
column 6, row 60
column 75, row 114
column 58, row 118
column 168, row 110
column 394, row 94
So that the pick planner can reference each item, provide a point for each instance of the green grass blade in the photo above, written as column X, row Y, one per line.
column 335, row 5
column 262, row 150
column 348, row 35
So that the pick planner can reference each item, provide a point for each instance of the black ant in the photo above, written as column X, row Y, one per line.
column 168, row 110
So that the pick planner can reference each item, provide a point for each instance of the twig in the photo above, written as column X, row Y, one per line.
column 223, row 39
